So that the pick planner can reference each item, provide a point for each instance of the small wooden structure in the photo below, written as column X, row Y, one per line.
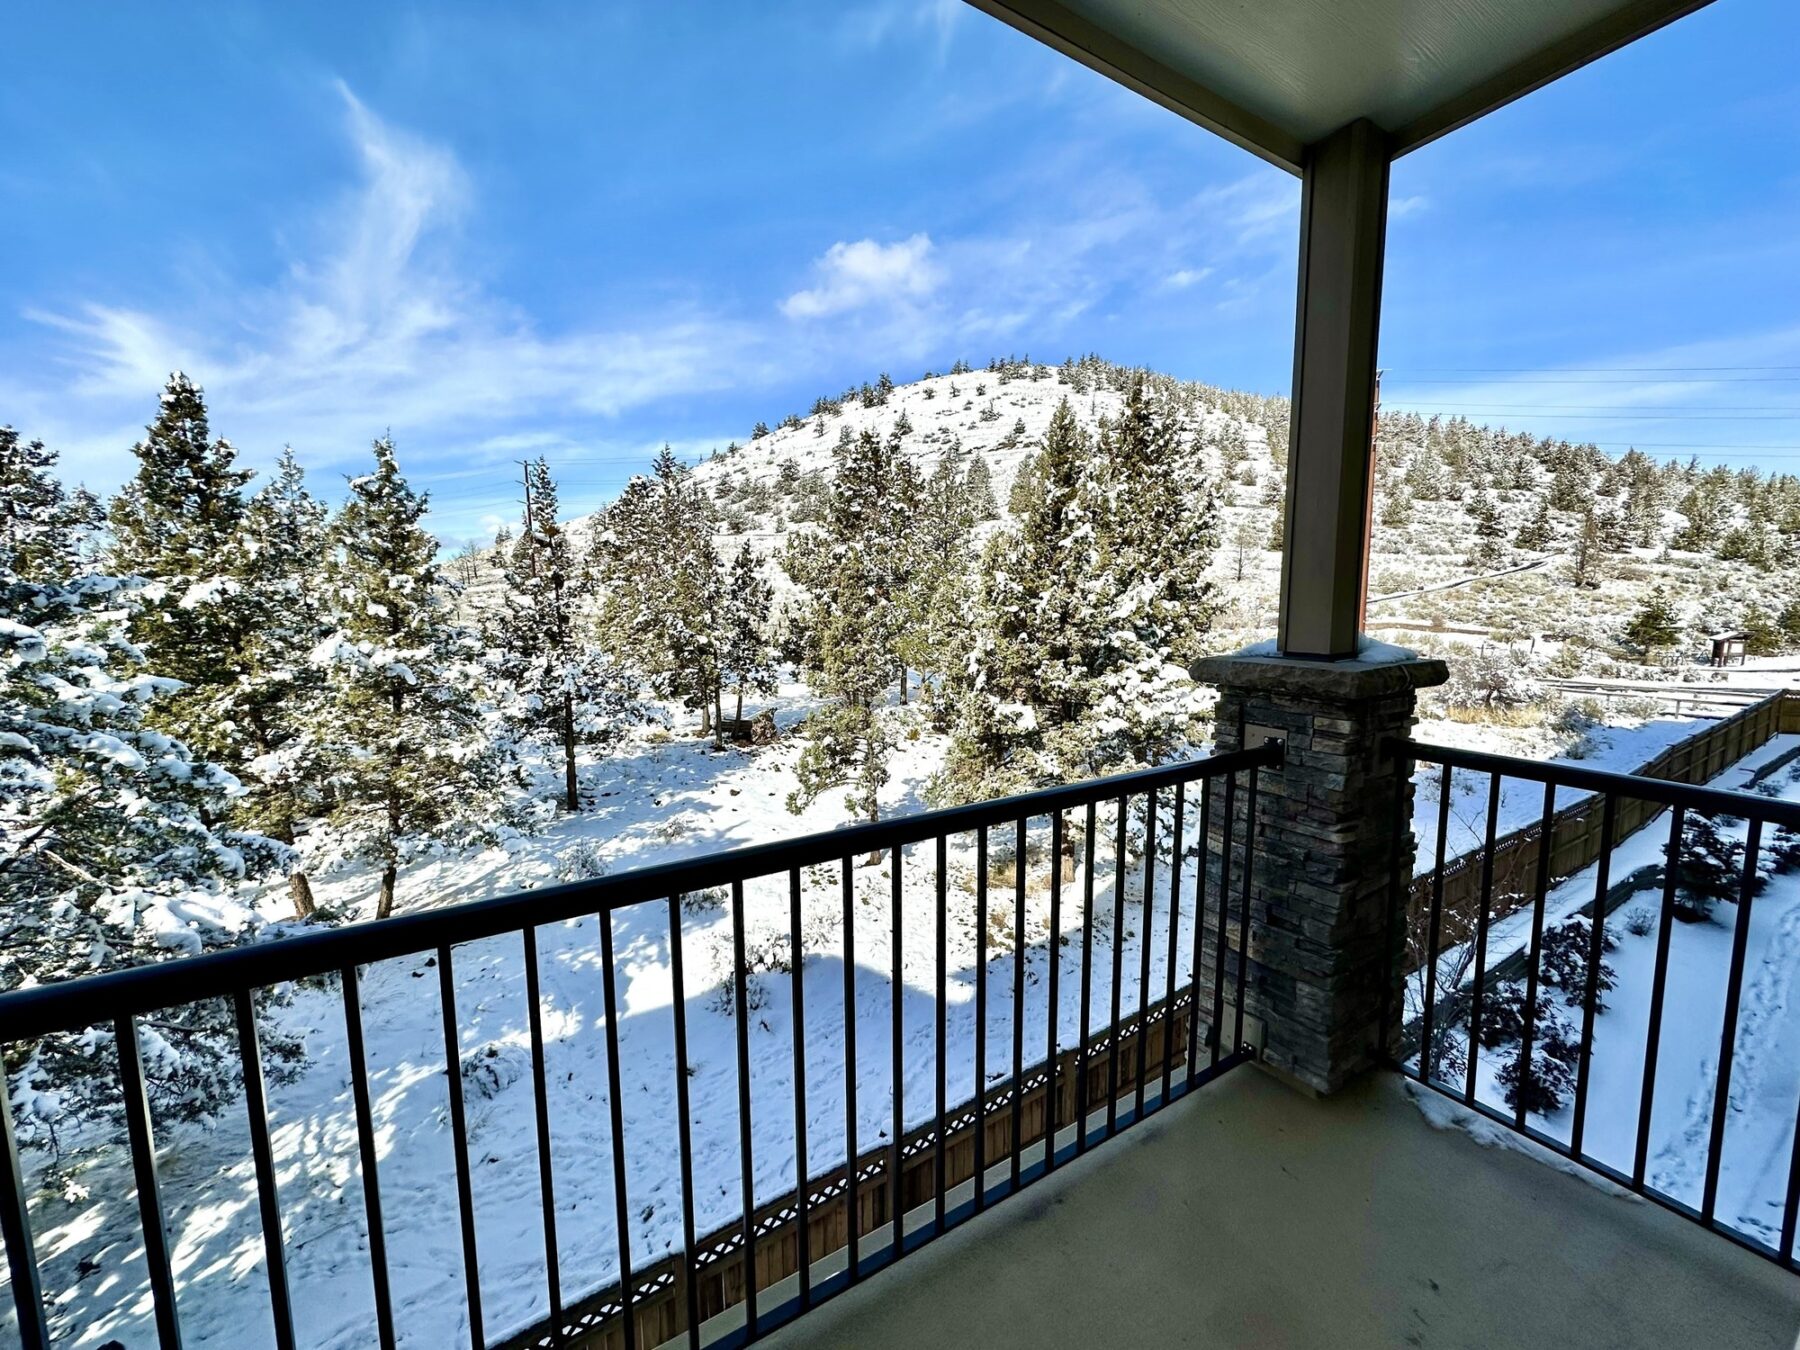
column 1730, row 647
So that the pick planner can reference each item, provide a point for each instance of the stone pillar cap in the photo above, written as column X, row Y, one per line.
column 1378, row 669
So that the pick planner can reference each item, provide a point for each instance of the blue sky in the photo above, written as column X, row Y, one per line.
column 581, row 230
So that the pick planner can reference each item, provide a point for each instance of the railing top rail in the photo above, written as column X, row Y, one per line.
column 72, row 1004
column 1708, row 800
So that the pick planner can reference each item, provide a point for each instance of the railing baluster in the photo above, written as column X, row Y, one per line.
column 1087, row 984
column 684, row 1130
column 897, row 1177
column 1243, row 954
column 1428, row 1010
column 1018, row 998
column 1481, row 933
column 459, row 1144
column 1146, row 926
column 365, row 1142
column 268, row 1198
column 615, row 1092
column 1734, row 993
column 1168, row 1018
column 981, row 983
column 540, row 1096
column 938, row 1030
column 1609, row 816
column 1658, row 989
column 15, row 1228
column 1053, row 953
column 1118, row 971
column 1534, row 953
column 1790, row 1211
column 1199, row 959
column 746, row 1158
column 143, row 1166
column 852, row 1218
column 1224, row 939
column 802, row 1169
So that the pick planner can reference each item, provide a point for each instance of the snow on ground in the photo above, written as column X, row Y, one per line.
column 654, row 803
column 1765, row 1085
column 1620, row 748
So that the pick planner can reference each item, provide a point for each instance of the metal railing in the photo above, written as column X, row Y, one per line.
column 1488, row 994
column 1079, row 1095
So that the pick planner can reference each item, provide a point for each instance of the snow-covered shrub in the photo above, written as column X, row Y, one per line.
column 1565, row 953
column 1640, row 921
column 1709, row 867
column 1503, row 1014
column 768, row 954
column 490, row 1069
column 710, row 901
column 584, row 862
column 1546, row 1087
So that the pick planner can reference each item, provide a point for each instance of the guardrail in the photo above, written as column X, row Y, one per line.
column 1461, row 1006
column 993, row 1137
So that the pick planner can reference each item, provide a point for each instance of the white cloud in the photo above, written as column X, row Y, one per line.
column 1183, row 277
column 378, row 324
column 1399, row 208
column 854, row 276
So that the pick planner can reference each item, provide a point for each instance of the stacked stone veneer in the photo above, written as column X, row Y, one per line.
column 1327, row 855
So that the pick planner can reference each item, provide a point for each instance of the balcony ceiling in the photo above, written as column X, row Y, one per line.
column 1276, row 75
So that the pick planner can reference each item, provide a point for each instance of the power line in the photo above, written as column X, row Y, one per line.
column 1576, row 370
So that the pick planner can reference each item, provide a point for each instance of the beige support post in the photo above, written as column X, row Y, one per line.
column 1343, row 223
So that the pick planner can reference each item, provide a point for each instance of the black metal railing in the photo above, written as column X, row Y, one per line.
column 983, row 1142
column 1506, row 985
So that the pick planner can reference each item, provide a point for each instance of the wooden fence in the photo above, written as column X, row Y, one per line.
column 659, row 1299
column 1575, row 829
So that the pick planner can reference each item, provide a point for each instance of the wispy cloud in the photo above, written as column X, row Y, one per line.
column 382, row 324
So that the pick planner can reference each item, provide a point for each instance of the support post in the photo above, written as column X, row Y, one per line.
column 1333, row 850
column 1343, row 224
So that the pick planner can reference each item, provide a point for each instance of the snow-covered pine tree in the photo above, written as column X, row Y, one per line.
column 853, row 572
column 554, row 684
column 1159, row 533
column 1656, row 626
column 979, row 489
column 107, row 854
column 934, row 636
column 408, row 755
column 178, row 524
column 661, row 585
column 747, row 656
column 1029, row 680
column 280, row 691
column 1487, row 531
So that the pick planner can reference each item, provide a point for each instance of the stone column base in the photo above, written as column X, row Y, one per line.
column 1328, row 849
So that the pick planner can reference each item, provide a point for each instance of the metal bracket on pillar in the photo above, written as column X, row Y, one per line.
column 1343, row 225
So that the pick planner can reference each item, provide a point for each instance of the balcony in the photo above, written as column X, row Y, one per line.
column 1256, row 1216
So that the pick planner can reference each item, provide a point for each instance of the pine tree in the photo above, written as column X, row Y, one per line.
column 1539, row 532
column 661, row 586
column 1158, row 537
column 853, row 572
column 280, row 691
column 409, row 757
column 553, row 685
column 979, row 487
column 747, row 657
column 109, row 854
column 934, row 632
column 1709, row 867
column 1029, row 682
column 1656, row 626
column 1488, row 530
column 178, row 522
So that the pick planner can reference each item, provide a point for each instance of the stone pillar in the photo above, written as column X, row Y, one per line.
column 1328, row 851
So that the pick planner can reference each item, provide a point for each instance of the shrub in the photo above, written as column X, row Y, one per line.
column 1564, row 958
column 1641, row 921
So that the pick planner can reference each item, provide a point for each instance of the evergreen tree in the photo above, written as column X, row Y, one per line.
column 1656, row 626
column 747, row 657
column 409, row 759
column 1709, row 867
column 979, row 487
column 109, row 854
column 934, row 631
column 661, row 586
column 1487, row 528
column 554, row 685
column 280, row 691
column 854, row 573
column 1537, row 533
column 178, row 522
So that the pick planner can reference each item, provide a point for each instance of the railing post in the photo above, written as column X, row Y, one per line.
column 1331, row 854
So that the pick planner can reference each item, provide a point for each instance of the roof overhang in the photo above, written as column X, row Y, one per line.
column 1275, row 76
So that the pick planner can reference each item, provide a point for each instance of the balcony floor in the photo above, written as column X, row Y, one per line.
column 1251, row 1215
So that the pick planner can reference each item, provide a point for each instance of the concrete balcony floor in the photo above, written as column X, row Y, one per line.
column 1251, row 1215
